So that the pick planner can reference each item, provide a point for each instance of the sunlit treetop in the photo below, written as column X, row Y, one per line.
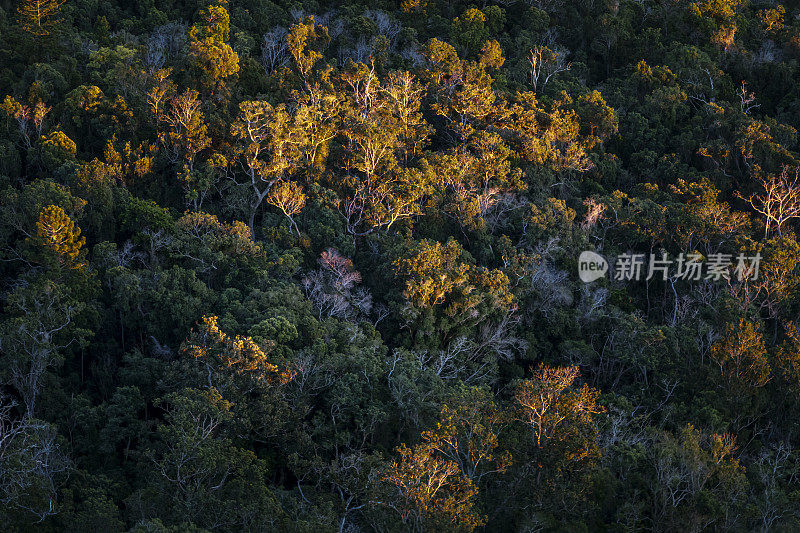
column 59, row 233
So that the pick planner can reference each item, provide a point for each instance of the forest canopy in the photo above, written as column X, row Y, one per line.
column 316, row 266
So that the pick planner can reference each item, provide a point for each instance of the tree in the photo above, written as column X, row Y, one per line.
column 696, row 480
column 435, row 274
column 210, row 244
column 547, row 403
column 158, row 95
column 430, row 492
column 544, row 64
column 459, row 313
column 238, row 356
column 772, row 285
column 25, row 115
column 268, row 151
column 288, row 196
column 187, row 136
column 404, row 94
column 378, row 192
column 772, row 19
column 779, row 199
column 38, row 17
column 741, row 356
column 467, row 434
column 21, row 211
column 699, row 220
column 333, row 288
column 549, row 137
column 214, row 57
column 434, row 271
column 462, row 90
column 469, row 31
column 58, row 233
column 478, row 179
column 200, row 475
column 41, row 324
column 555, row 446
column 274, row 50
column 31, row 462
column 305, row 40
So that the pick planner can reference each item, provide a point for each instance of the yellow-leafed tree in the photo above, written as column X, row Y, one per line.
column 214, row 57
column 289, row 197
column 39, row 16
column 431, row 492
column 59, row 233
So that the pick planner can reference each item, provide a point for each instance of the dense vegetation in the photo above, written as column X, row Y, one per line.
column 310, row 266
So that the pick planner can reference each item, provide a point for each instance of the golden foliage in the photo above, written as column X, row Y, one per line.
column 303, row 40
column 208, row 47
column 59, row 233
column 289, row 197
column 548, row 401
column 241, row 355
column 413, row 6
column 37, row 17
column 231, row 238
column 467, row 434
column 436, row 274
column 432, row 491
column 187, row 133
column 58, row 140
